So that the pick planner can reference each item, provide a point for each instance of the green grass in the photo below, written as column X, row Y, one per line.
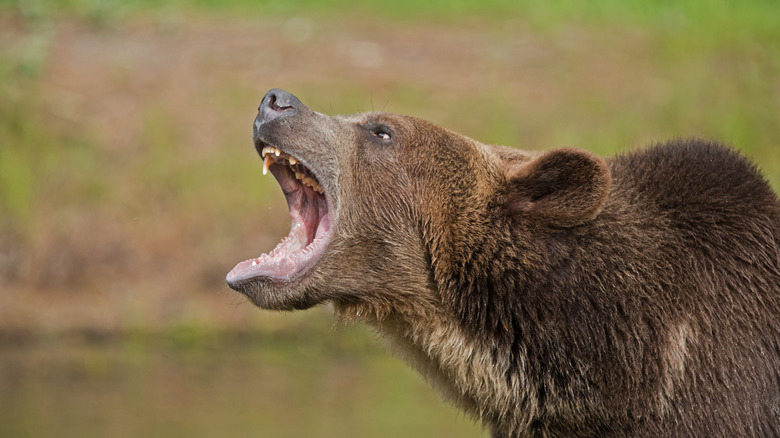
column 665, row 13
column 689, row 24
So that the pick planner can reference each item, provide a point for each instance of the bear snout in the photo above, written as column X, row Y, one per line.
column 277, row 103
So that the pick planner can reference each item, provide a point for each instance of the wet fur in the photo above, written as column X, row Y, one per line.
column 658, row 317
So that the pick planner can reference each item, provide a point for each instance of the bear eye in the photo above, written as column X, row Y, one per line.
column 381, row 133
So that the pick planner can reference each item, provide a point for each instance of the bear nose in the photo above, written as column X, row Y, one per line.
column 277, row 103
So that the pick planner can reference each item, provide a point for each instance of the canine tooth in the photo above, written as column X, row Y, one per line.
column 293, row 161
column 266, row 164
column 266, row 151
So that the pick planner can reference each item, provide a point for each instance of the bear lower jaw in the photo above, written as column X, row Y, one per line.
column 290, row 258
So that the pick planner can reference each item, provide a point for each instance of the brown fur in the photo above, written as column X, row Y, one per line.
column 553, row 294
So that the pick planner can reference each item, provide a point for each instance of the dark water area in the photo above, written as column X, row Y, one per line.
column 141, row 387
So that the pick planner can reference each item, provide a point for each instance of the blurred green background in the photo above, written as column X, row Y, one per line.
column 129, row 185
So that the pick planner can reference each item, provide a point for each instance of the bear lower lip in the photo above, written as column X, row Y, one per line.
column 310, row 232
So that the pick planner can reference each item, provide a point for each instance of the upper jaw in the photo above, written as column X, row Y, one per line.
column 302, row 172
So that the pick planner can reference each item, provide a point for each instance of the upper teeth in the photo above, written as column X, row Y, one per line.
column 270, row 149
column 268, row 154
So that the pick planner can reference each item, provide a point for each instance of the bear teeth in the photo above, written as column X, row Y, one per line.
column 269, row 152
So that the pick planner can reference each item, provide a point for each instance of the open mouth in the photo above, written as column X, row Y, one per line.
column 310, row 227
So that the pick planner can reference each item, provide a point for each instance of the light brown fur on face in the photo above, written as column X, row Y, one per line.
column 552, row 294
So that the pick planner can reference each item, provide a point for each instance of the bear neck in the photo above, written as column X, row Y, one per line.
column 468, row 374
column 464, row 345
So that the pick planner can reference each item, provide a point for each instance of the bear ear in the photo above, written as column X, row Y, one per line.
column 563, row 187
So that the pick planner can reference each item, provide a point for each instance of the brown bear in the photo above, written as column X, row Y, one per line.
column 547, row 294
